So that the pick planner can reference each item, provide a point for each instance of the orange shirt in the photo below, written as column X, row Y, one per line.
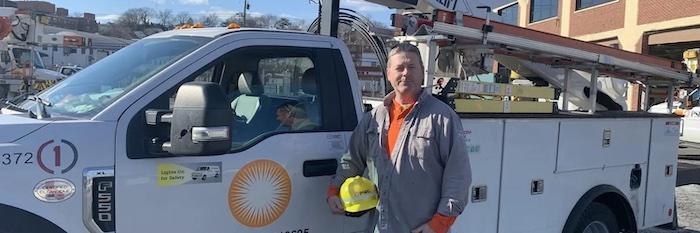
column 397, row 113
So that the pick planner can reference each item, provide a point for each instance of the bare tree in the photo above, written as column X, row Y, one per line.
column 115, row 30
column 210, row 20
column 236, row 18
column 165, row 17
column 128, row 19
column 182, row 18
column 136, row 17
column 283, row 23
column 145, row 15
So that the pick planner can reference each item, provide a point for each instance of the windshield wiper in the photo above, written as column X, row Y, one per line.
column 14, row 107
column 41, row 105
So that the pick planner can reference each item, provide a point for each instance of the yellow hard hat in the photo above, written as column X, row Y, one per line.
column 359, row 195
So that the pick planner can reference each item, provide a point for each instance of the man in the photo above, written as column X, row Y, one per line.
column 413, row 148
column 293, row 117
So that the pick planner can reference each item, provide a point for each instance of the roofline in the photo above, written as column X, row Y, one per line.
column 504, row 6
column 223, row 31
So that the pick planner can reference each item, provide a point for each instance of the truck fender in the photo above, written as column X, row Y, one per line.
column 16, row 220
column 609, row 196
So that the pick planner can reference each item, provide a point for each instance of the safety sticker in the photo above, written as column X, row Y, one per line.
column 171, row 174
column 672, row 128
column 335, row 142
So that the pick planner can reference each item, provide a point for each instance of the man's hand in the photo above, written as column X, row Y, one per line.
column 336, row 205
column 423, row 229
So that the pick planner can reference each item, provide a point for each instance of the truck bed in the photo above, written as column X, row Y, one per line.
column 563, row 114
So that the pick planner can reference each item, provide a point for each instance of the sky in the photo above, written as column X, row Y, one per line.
column 109, row 10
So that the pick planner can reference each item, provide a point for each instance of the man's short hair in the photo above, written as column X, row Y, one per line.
column 406, row 48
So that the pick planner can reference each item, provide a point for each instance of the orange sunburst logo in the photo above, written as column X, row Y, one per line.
column 260, row 193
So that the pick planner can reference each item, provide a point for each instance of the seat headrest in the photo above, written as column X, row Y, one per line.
column 246, row 86
column 308, row 82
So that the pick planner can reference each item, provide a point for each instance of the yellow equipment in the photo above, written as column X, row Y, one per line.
column 690, row 58
column 359, row 195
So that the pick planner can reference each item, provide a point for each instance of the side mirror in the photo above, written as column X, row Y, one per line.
column 200, row 121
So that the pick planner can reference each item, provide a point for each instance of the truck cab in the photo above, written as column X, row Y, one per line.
column 99, row 128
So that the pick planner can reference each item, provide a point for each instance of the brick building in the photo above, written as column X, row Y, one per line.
column 663, row 28
column 58, row 17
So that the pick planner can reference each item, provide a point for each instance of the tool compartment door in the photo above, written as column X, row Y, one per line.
column 662, row 171
column 529, row 155
column 597, row 143
column 484, row 139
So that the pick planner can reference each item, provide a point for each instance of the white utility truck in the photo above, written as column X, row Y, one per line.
column 113, row 148
column 18, row 38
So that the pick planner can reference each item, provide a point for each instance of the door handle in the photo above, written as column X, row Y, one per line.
column 323, row 167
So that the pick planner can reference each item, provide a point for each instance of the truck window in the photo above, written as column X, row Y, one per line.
column 271, row 90
column 283, row 96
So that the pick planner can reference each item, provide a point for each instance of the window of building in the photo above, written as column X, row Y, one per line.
column 582, row 4
column 543, row 9
column 69, row 51
column 509, row 14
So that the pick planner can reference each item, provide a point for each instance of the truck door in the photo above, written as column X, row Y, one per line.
column 289, row 130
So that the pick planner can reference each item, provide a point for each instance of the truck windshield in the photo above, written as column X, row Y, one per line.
column 88, row 92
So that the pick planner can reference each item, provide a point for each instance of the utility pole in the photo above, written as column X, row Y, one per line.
column 246, row 6
column 329, row 17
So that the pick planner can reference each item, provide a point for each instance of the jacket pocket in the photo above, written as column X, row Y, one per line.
column 373, row 137
column 422, row 142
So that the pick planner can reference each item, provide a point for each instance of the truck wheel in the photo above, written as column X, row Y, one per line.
column 204, row 177
column 597, row 218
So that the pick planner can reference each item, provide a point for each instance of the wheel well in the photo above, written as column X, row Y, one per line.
column 609, row 196
column 622, row 209
column 16, row 220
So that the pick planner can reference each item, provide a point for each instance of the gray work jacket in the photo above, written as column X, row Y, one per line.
column 429, row 171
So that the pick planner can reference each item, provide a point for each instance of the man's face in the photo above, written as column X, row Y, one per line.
column 405, row 73
column 284, row 118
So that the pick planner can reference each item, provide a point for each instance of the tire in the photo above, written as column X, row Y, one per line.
column 596, row 218
column 204, row 177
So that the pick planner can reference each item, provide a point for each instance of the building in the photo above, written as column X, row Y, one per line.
column 58, row 17
column 663, row 28
column 71, row 47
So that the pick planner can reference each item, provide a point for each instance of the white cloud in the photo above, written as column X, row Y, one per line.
column 255, row 14
column 288, row 16
column 193, row 2
column 223, row 13
column 362, row 6
column 106, row 18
